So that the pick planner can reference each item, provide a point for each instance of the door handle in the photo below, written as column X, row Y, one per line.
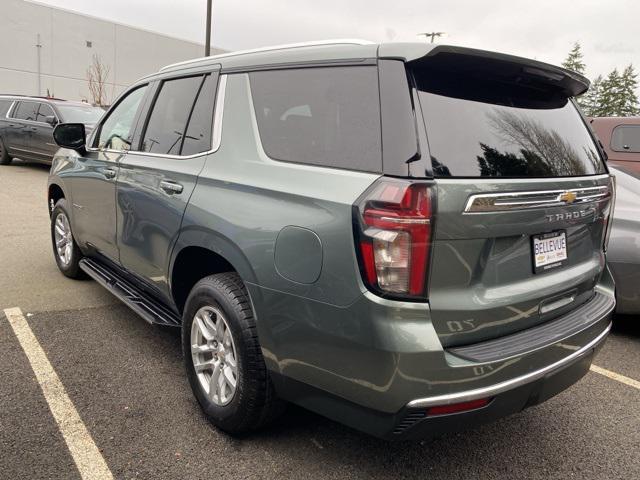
column 109, row 173
column 170, row 187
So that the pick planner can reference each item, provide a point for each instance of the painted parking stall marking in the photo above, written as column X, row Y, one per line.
column 616, row 376
column 84, row 451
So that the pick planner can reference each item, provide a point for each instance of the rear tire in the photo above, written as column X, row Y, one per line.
column 219, row 321
column 5, row 159
column 65, row 249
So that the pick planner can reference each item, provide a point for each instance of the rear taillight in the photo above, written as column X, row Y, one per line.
column 393, row 226
column 609, row 218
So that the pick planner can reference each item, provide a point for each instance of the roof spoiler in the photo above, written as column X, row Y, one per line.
column 469, row 60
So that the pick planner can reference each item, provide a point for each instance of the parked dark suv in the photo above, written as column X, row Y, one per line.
column 26, row 125
column 406, row 238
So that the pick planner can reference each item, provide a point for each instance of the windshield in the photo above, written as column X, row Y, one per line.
column 79, row 114
column 483, row 128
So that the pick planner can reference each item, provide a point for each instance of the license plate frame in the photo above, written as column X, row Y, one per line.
column 546, row 260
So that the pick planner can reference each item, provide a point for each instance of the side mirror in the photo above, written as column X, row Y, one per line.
column 70, row 135
column 51, row 120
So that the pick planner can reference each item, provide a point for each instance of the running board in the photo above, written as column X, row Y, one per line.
column 135, row 298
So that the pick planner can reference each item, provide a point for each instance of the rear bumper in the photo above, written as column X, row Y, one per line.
column 413, row 422
column 507, row 397
column 498, row 388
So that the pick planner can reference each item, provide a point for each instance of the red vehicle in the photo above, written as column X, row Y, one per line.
column 620, row 137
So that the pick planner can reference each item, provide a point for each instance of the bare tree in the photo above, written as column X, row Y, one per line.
column 97, row 75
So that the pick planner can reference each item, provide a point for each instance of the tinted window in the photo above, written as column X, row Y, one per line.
column 626, row 138
column 44, row 112
column 168, row 120
column 26, row 111
column 80, row 114
column 198, row 137
column 321, row 116
column 4, row 107
column 117, row 129
column 481, row 128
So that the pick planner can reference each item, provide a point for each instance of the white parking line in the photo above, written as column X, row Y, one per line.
column 84, row 451
column 616, row 376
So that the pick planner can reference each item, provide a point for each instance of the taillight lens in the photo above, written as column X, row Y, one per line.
column 611, row 207
column 393, row 227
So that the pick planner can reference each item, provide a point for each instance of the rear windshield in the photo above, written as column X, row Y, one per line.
column 80, row 114
column 482, row 128
column 4, row 107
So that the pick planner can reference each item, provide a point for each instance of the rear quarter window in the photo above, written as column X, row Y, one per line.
column 327, row 116
column 626, row 138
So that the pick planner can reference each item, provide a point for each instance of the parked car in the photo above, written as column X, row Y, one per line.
column 26, row 125
column 284, row 209
column 623, row 253
column 620, row 137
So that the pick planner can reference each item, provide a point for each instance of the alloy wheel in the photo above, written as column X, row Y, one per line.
column 214, row 355
column 63, row 239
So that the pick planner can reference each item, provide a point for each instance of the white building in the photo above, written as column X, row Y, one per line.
column 48, row 50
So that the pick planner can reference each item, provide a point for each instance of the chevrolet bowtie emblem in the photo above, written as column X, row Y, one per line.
column 568, row 197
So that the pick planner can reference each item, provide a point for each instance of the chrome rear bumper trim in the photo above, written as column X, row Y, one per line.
column 502, row 387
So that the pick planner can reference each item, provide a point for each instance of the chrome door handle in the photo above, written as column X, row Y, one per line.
column 170, row 187
column 109, row 172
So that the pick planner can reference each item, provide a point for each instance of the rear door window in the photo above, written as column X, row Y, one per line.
column 168, row 120
column 626, row 138
column 320, row 116
column 200, row 129
column 482, row 128
column 26, row 111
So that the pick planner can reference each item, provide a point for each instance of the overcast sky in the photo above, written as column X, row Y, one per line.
column 542, row 29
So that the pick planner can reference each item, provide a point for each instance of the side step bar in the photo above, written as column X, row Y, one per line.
column 135, row 298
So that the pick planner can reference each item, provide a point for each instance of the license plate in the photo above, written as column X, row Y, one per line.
column 549, row 251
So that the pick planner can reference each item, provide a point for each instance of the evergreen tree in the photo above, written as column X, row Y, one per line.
column 574, row 60
column 614, row 95
column 590, row 101
column 628, row 102
column 610, row 95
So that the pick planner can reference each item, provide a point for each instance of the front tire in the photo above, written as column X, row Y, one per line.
column 65, row 249
column 223, row 358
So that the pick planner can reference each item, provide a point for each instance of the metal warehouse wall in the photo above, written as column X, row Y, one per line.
column 67, row 44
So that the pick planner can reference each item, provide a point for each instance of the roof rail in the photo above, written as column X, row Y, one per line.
column 347, row 41
column 42, row 97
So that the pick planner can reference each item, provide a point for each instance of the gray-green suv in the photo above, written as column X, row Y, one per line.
column 406, row 238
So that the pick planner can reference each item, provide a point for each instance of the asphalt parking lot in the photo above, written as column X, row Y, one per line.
column 125, row 380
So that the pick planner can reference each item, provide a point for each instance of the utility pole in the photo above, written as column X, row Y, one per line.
column 433, row 35
column 207, row 44
column 38, row 48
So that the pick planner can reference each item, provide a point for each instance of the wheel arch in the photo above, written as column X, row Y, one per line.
column 199, row 253
column 54, row 193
